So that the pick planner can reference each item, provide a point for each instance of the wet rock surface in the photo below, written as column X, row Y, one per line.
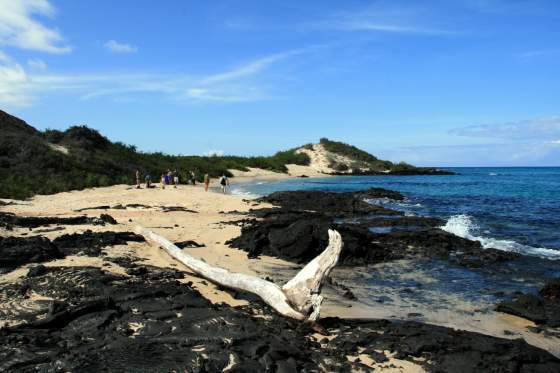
column 331, row 203
column 403, row 221
column 296, row 230
column 97, row 321
column 542, row 309
column 9, row 220
column 300, row 236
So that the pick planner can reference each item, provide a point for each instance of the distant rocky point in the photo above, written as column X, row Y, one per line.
column 337, row 158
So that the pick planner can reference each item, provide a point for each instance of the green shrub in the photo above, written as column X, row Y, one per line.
column 346, row 150
column 29, row 166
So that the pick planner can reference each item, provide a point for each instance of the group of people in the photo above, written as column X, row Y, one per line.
column 172, row 178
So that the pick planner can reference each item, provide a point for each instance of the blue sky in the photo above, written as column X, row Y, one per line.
column 434, row 82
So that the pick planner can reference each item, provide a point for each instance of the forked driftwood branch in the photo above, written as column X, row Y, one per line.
column 300, row 298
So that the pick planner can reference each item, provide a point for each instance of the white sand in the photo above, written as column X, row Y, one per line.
column 205, row 227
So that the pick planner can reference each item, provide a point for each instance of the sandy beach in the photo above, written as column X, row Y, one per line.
column 206, row 223
column 203, row 226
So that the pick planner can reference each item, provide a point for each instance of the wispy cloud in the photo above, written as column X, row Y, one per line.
column 526, row 153
column 115, row 46
column 539, row 53
column 363, row 25
column 19, row 87
column 539, row 128
column 13, row 83
column 531, row 142
column 19, row 28
column 250, row 68
column 37, row 64
column 385, row 18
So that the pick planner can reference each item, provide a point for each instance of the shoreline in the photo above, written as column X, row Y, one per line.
column 209, row 226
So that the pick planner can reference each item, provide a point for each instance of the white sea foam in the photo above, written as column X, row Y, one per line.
column 463, row 226
column 243, row 193
column 389, row 202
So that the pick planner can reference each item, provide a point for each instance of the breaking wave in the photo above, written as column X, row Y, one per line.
column 243, row 193
column 463, row 226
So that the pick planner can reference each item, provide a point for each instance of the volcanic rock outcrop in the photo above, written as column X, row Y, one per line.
column 296, row 230
column 9, row 220
column 543, row 309
column 98, row 321
column 17, row 251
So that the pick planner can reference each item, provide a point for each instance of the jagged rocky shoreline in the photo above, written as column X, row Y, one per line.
column 89, row 320
column 296, row 230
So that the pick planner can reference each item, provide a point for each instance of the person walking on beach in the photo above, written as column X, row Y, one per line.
column 137, row 179
column 193, row 178
column 169, row 177
column 163, row 180
column 148, row 180
column 175, row 179
column 206, row 182
column 224, row 182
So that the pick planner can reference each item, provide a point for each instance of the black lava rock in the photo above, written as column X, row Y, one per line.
column 90, row 243
column 16, row 251
column 106, row 322
column 543, row 309
column 331, row 203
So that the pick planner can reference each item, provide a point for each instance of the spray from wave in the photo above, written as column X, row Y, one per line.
column 463, row 226
column 243, row 193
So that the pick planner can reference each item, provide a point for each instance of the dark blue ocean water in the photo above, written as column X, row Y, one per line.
column 514, row 209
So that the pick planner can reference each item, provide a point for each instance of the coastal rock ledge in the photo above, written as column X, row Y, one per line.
column 99, row 321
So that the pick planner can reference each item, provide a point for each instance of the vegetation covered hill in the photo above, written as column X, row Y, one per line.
column 34, row 162
column 335, row 157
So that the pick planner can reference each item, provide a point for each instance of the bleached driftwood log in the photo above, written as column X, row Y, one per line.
column 299, row 299
column 304, row 290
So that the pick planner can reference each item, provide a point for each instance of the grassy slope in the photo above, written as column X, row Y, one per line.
column 364, row 160
column 28, row 165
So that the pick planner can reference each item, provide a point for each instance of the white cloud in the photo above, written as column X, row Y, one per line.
column 386, row 18
column 22, row 88
column 531, row 153
column 115, row 46
column 250, row 68
column 237, row 93
column 18, row 28
column 356, row 25
column 37, row 64
column 540, row 128
column 14, row 83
